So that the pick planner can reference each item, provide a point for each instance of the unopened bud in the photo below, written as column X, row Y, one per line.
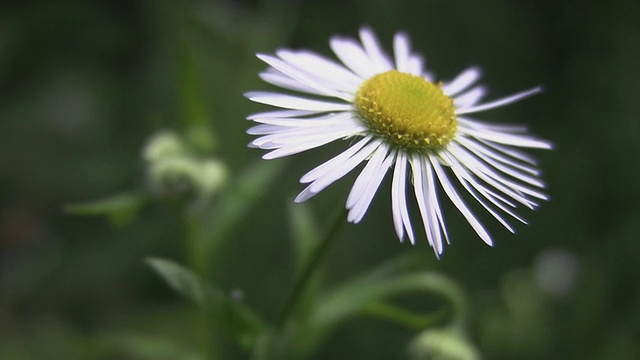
column 442, row 345
column 163, row 145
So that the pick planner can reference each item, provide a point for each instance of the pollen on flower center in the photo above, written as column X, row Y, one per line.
column 407, row 110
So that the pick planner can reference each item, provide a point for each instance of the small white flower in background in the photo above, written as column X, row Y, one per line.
column 392, row 114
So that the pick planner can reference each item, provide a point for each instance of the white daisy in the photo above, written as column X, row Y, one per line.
column 393, row 114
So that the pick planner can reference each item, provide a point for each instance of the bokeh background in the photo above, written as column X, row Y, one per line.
column 83, row 86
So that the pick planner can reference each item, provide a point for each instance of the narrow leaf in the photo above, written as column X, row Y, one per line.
column 180, row 279
column 402, row 316
column 120, row 209
column 357, row 296
column 306, row 236
column 133, row 345
column 231, row 315
column 243, row 191
column 304, row 230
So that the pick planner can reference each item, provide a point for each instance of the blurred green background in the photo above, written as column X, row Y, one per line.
column 83, row 85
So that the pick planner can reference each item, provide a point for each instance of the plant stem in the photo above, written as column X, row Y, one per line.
column 310, row 268
column 197, row 261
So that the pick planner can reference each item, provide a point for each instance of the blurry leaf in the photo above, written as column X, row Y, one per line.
column 228, row 313
column 120, row 209
column 366, row 295
column 234, row 204
column 407, row 318
column 195, row 109
column 411, row 261
column 180, row 279
column 305, row 232
column 138, row 346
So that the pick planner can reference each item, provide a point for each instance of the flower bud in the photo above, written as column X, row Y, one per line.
column 175, row 171
column 440, row 344
column 212, row 176
column 163, row 145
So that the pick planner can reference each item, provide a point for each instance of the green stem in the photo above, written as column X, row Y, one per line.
column 310, row 268
column 195, row 253
column 197, row 261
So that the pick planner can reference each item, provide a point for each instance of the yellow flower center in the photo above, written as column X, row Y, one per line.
column 407, row 110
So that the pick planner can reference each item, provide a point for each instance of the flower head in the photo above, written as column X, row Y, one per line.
column 394, row 115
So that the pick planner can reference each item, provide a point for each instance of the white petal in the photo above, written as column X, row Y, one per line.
column 428, row 189
column 465, row 179
column 434, row 205
column 396, row 194
column 499, row 102
column 337, row 171
column 281, row 114
column 372, row 48
column 479, row 148
column 305, row 144
column 283, row 151
column 462, row 81
column 399, row 209
column 342, row 169
column 296, row 103
column 288, row 123
column 510, row 188
column 365, row 176
column 262, row 129
column 490, row 195
column 301, row 136
column 505, row 169
column 278, row 79
column 328, row 166
column 295, row 127
column 516, row 154
column 415, row 66
column 401, row 49
column 353, row 56
column 467, row 122
column 431, row 225
column 326, row 71
column 470, row 97
column 360, row 207
column 462, row 207
column 462, row 170
column 300, row 76
column 506, row 138
column 341, row 122
column 324, row 119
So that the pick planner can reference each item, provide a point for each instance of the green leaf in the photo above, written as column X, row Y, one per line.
column 230, row 314
column 120, row 209
column 180, row 279
column 367, row 295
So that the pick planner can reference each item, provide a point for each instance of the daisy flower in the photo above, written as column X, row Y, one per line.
column 396, row 118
